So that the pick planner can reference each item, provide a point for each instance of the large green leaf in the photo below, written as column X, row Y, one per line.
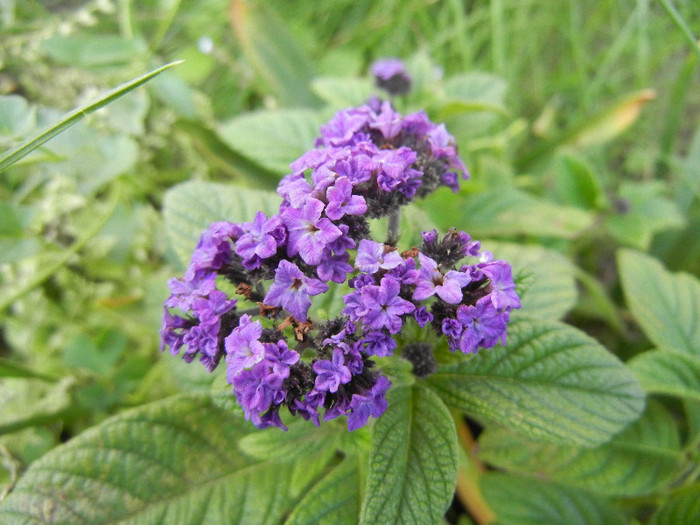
column 273, row 138
column 190, row 208
column 668, row 372
column 527, row 501
column 682, row 508
column 551, row 382
column 334, row 500
column 26, row 402
column 551, row 291
column 665, row 305
column 413, row 460
column 174, row 461
column 506, row 212
column 637, row 461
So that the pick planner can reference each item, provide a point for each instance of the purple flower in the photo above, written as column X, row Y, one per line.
column 452, row 328
column 422, row 316
column 342, row 201
column 203, row 339
column 501, row 285
column 406, row 272
column 483, row 325
column 341, row 129
column 389, row 123
column 257, row 389
column 213, row 250
column 280, row 358
column 390, row 75
column 185, row 291
column 292, row 290
column 334, row 268
column 308, row 233
column 432, row 281
column 243, row 347
column 384, row 306
column 308, row 408
column 213, row 307
column 260, row 240
column 379, row 343
column 371, row 403
column 331, row 374
column 371, row 256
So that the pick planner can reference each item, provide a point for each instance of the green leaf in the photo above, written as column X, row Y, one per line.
column 637, row 461
column 342, row 93
column 335, row 499
column 13, row 156
column 190, row 208
column 507, row 212
column 550, row 382
column 682, row 508
column 303, row 439
column 668, row 372
column 551, row 290
column 173, row 461
column 413, row 460
column 29, row 402
column 86, row 51
column 273, row 52
column 578, row 184
column 648, row 213
column 273, row 138
column 666, row 306
column 525, row 501
column 17, row 118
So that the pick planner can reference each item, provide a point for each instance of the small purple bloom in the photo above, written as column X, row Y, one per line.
column 334, row 268
column 342, row 201
column 243, row 347
column 390, row 75
column 432, row 281
column 331, row 374
column 501, row 285
column 371, row 403
column 422, row 316
column 379, row 343
column 452, row 328
column 212, row 307
column 371, row 256
column 260, row 240
column 308, row 233
column 185, row 291
column 292, row 290
column 384, row 306
column 483, row 325
column 280, row 358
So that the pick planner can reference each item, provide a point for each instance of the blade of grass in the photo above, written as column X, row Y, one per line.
column 18, row 153
column 682, row 25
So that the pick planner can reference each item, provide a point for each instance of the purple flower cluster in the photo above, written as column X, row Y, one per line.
column 390, row 75
column 367, row 163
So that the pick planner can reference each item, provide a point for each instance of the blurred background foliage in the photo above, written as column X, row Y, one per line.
column 578, row 121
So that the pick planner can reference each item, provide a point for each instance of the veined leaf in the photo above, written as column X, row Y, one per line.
column 13, row 156
column 507, row 212
column 682, row 508
column 273, row 139
column 519, row 501
column 665, row 305
column 551, row 292
column 335, row 499
column 173, row 461
column 668, row 372
column 637, row 461
column 190, row 208
column 550, row 382
column 342, row 93
column 413, row 460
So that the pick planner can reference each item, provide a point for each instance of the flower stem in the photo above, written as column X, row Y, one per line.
column 470, row 469
column 392, row 234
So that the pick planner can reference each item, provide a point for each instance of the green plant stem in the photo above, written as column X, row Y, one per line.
column 468, row 490
column 682, row 25
column 393, row 230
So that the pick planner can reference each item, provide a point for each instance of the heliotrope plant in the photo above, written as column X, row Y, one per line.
column 368, row 162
